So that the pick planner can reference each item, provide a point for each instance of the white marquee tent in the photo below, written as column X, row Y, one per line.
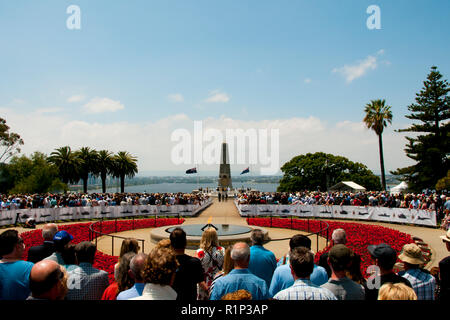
column 399, row 188
column 347, row 186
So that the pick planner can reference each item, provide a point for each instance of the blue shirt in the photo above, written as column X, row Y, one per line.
column 424, row 284
column 239, row 279
column 282, row 278
column 134, row 292
column 262, row 263
column 15, row 280
column 447, row 205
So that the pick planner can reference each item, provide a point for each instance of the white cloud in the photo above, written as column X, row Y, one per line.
column 100, row 105
column 76, row 98
column 176, row 97
column 307, row 80
column 49, row 110
column 360, row 68
column 45, row 132
column 217, row 96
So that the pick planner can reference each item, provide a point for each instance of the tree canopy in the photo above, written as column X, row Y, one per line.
column 10, row 142
column 321, row 170
column 32, row 174
column 430, row 147
column 377, row 116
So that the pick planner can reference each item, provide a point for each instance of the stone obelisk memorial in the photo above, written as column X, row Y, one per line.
column 224, row 170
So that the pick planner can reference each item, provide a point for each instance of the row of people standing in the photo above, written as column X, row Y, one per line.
column 59, row 269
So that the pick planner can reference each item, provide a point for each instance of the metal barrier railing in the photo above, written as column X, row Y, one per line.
column 95, row 234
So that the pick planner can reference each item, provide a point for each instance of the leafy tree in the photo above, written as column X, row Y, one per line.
column 33, row 175
column 377, row 117
column 87, row 159
column 68, row 164
column 430, row 148
column 124, row 165
column 444, row 183
column 313, row 170
column 9, row 141
column 105, row 163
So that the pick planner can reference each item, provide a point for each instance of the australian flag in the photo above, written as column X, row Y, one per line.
column 246, row 170
column 192, row 170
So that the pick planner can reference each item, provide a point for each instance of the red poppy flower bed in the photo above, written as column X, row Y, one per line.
column 80, row 232
column 359, row 235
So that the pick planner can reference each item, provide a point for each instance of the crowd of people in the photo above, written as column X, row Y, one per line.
column 20, row 201
column 58, row 269
column 439, row 203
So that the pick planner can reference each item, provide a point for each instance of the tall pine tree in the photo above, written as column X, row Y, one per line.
column 430, row 148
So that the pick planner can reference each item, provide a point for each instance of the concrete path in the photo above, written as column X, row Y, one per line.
column 224, row 212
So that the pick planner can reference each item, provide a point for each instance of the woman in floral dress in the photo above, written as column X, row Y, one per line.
column 211, row 255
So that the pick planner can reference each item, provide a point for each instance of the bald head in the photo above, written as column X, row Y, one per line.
column 137, row 265
column 240, row 255
column 41, row 270
column 49, row 231
column 47, row 280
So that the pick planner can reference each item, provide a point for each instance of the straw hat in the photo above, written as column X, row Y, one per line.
column 412, row 254
column 446, row 238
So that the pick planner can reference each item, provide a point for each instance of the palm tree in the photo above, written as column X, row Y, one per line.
column 67, row 163
column 378, row 115
column 124, row 166
column 105, row 162
column 88, row 164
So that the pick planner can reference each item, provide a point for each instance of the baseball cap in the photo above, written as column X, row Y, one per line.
column 63, row 236
column 383, row 252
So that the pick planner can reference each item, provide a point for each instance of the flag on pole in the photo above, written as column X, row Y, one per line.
column 246, row 170
column 192, row 170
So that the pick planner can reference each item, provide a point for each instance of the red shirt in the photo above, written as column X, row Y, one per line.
column 111, row 292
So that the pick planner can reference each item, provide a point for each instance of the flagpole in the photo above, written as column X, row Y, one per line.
column 198, row 185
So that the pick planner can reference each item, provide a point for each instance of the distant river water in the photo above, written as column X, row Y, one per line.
column 187, row 187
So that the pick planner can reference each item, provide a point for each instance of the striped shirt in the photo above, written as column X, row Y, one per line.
column 304, row 289
column 424, row 284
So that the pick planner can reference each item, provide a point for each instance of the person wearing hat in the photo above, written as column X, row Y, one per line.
column 339, row 259
column 385, row 258
column 444, row 271
column 423, row 283
column 60, row 240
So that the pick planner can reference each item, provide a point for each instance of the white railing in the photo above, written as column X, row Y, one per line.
column 397, row 215
column 9, row 217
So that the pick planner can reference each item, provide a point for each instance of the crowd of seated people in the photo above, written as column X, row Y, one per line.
column 58, row 269
column 384, row 199
column 9, row 202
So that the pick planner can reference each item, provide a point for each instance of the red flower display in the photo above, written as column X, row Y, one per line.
column 80, row 232
column 359, row 235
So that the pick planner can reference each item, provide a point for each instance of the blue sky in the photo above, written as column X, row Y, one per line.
column 146, row 61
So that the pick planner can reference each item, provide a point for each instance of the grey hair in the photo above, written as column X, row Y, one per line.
column 49, row 231
column 339, row 236
column 240, row 251
column 137, row 264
